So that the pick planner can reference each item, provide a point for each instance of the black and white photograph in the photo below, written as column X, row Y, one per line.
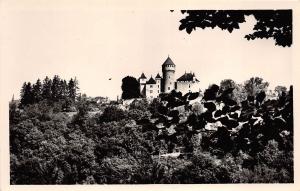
column 120, row 95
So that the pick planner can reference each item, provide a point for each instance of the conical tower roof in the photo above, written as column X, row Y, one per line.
column 168, row 62
column 143, row 76
column 158, row 76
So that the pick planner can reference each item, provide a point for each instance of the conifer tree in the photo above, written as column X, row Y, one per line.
column 76, row 87
column 37, row 91
column 46, row 89
column 72, row 89
column 55, row 88
column 26, row 94
column 22, row 92
column 63, row 91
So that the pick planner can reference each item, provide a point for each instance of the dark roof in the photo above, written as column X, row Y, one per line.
column 187, row 77
column 168, row 62
column 157, row 76
column 151, row 81
column 143, row 76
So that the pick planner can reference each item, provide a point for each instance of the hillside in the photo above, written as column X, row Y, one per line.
column 192, row 138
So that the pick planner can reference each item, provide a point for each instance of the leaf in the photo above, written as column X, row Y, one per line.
column 182, row 27
column 189, row 30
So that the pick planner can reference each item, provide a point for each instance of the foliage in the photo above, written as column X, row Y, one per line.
column 130, row 88
column 112, row 113
column 239, row 93
column 14, row 113
column 82, row 115
column 220, row 141
column 137, row 114
column 280, row 90
column 226, row 84
column 255, row 85
column 26, row 94
column 276, row 24
column 269, row 167
column 52, row 90
column 141, row 104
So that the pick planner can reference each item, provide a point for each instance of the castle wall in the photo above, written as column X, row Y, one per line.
column 187, row 86
column 159, row 85
column 152, row 90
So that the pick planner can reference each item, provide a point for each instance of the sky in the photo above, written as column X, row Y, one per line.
column 93, row 44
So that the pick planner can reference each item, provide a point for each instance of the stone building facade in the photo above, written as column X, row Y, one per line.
column 187, row 83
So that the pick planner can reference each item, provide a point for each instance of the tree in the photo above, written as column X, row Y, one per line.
column 211, row 92
column 226, row 84
column 46, row 89
column 255, row 85
column 26, row 94
column 14, row 113
column 82, row 114
column 239, row 93
column 112, row 113
column 37, row 91
column 141, row 105
column 53, row 91
column 203, row 169
column 130, row 88
column 63, row 89
column 55, row 88
column 72, row 88
column 76, row 84
column 280, row 89
column 276, row 24
column 22, row 92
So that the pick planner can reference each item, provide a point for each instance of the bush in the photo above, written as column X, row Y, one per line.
column 42, row 111
column 140, row 104
column 203, row 169
column 112, row 113
column 137, row 114
column 274, row 166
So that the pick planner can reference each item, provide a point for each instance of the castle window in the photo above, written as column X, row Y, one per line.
column 158, row 86
column 157, row 91
column 169, row 88
column 169, row 77
column 151, row 91
column 151, row 86
column 189, row 85
column 171, row 83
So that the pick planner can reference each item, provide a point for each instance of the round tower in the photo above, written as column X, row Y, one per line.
column 168, row 71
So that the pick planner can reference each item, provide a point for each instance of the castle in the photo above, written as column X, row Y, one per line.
column 152, row 87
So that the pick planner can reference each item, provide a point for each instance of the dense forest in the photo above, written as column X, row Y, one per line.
column 228, row 133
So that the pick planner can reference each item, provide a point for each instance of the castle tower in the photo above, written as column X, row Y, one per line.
column 158, row 82
column 168, row 70
column 142, row 81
